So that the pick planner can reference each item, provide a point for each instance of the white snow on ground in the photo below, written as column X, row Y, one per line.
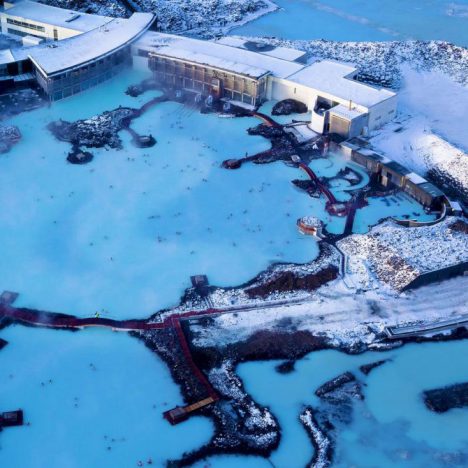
column 431, row 132
column 440, row 100
column 204, row 17
column 383, row 62
column 98, row 7
column 340, row 314
column 235, row 298
column 396, row 255
column 321, row 440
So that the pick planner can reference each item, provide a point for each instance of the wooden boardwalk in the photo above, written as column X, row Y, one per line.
column 61, row 321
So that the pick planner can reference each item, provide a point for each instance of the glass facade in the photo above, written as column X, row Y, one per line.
column 205, row 80
column 80, row 79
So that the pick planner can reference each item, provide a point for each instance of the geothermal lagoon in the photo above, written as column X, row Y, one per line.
column 121, row 237
column 146, row 219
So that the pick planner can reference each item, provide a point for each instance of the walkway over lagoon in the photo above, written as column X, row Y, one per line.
column 53, row 320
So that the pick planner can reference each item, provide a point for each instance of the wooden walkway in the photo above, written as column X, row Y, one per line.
column 267, row 120
column 61, row 321
column 325, row 190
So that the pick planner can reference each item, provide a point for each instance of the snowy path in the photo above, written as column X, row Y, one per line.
column 342, row 315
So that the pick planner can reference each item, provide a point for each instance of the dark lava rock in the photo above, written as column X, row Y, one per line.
column 9, row 136
column 323, row 444
column 336, row 408
column 134, row 90
column 289, row 281
column 96, row 132
column 338, row 402
column 451, row 186
column 266, row 131
column 367, row 368
column 289, row 106
column 349, row 174
column 232, row 163
column 79, row 157
column 138, row 89
column 144, row 141
column 334, row 384
column 285, row 367
column 443, row 399
column 459, row 226
column 308, row 186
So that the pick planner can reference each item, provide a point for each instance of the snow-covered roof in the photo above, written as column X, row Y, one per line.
column 345, row 112
column 6, row 56
column 203, row 59
column 431, row 189
column 64, row 18
column 284, row 53
column 335, row 79
column 61, row 55
column 397, row 167
column 415, row 178
column 216, row 54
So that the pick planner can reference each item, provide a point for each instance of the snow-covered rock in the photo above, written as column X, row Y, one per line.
column 382, row 62
column 396, row 255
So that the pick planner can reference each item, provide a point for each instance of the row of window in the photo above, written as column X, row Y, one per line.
column 202, row 74
column 17, row 33
column 205, row 88
column 83, row 86
column 23, row 24
column 87, row 71
column 239, row 85
column 21, row 33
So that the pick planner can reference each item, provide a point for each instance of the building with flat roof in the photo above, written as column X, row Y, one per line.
column 249, row 73
column 81, row 51
column 284, row 53
column 339, row 104
column 393, row 174
column 206, row 67
column 51, row 23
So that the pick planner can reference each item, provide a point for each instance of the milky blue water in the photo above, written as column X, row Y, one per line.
column 360, row 20
column 392, row 426
column 123, row 234
column 92, row 399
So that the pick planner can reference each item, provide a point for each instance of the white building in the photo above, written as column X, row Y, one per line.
column 339, row 104
column 244, row 73
column 27, row 18
column 73, row 52
column 67, row 52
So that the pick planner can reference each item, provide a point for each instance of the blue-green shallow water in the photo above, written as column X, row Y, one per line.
column 123, row 234
column 107, row 390
column 392, row 427
column 360, row 20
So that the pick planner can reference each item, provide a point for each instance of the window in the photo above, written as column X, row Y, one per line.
column 23, row 24
column 247, row 99
column 16, row 32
